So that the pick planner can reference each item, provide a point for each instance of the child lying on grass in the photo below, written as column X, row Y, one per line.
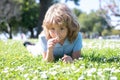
column 60, row 37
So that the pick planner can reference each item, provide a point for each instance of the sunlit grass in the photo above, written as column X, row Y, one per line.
column 100, row 61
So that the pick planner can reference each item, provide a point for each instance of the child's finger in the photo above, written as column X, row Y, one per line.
column 64, row 57
column 51, row 44
column 64, row 61
column 53, row 40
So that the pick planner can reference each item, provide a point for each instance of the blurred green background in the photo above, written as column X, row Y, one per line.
column 23, row 18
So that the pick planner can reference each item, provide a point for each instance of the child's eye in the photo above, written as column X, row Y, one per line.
column 52, row 28
column 62, row 28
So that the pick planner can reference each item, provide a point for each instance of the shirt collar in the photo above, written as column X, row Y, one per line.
column 66, row 42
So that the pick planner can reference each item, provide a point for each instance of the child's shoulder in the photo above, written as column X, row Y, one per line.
column 42, row 35
column 79, row 35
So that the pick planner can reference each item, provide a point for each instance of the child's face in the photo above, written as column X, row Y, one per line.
column 58, row 32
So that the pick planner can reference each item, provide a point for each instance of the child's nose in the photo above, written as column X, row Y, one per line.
column 57, row 33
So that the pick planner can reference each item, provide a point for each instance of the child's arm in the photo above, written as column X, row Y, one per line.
column 70, row 59
column 48, row 56
column 76, row 54
column 67, row 58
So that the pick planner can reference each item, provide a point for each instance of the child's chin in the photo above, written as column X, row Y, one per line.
column 58, row 41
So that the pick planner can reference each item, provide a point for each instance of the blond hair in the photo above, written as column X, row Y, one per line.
column 59, row 14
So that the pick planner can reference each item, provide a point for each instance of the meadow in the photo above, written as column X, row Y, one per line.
column 100, row 60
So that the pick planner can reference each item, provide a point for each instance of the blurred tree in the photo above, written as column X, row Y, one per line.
column 91, row 23
column 109, row 9
column 98, row 28
column 76, row 2
column 32, row 14
column 77, row 11
column 29, row 16
column 116, row 32
column 8, row 9
column 83, row 20
column 106, row 32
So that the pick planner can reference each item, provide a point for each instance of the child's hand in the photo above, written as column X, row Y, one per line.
column 67, row 59
column 51, row 43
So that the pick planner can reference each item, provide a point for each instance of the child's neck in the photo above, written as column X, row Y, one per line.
column 61, row 42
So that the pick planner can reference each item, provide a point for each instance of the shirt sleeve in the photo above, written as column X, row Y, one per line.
column 42, row 43
column 78, row 43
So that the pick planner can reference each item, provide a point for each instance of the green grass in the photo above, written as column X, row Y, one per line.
column 100, row 61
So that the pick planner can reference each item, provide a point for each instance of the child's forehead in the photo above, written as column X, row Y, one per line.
column 57, row 25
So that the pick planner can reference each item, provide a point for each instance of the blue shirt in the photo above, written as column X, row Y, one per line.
column 59, row 50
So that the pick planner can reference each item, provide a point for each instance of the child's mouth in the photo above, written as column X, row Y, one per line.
column 58, row 39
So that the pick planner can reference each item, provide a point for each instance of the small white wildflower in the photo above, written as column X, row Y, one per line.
column 113, row 70
column 36, row 71
column 26, row 75
column 116, row 71
column 55, row 67
column 73, row 67
column 11, row 69
column 82, row 66
column 44, row 75
column 107, row 69
column 113, row 78
column 66, row 69
column 53, row 72
column 99, row 73
column 35, row 78
column 78, row 70
column 81, row 77
column 21, row 68
column 27, row 78
column 6, row 70
column 92, row 70
column 13, row 63
column 81, row 58
column 89, row 74
column 99, row 70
